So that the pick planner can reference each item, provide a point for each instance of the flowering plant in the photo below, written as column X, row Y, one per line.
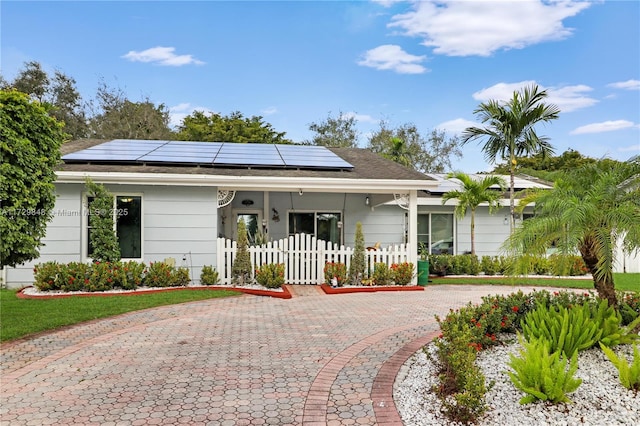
column 335, row 270
column 402, row 273
column 270, row 275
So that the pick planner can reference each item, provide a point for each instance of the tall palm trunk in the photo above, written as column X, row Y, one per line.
column 473, row 231
column 512, row 185
column 604, row 285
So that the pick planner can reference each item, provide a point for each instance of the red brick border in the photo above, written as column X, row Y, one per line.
column 382, row 390
column 344, row 290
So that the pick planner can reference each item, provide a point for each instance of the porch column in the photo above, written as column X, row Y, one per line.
column 265, row 210
column 412, row 232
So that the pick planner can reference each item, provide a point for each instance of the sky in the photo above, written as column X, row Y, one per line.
column 429, row 63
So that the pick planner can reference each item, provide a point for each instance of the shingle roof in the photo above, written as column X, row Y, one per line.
column 366, row 165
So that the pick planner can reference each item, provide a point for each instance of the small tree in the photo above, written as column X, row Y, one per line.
column 356, row 269
column 29, row 151
column 103, row 242
column 241, row 269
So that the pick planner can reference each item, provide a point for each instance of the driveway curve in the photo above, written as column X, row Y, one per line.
column 314, row 359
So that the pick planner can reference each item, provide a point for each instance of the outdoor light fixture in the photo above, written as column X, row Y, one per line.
column 366, row 201
column 247, row 202
column 276, row 215
column 506, row 220
column 300, row 191
column 264, row 225
column 339, row 224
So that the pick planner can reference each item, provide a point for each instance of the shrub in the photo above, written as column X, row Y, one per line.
column 440, row 264
column 270, row 275
column 75, row 276
column 102, row 238
column 158, row 274
column 609, row 321
column 357, row 265
column 382, row 275
column 128, row 275
column 241, row 268
column 489, row 265
column 335, row 270
column 402, row 273
column 629, row 305
column 100, row 277
column 629, row 374
column 563, row 265
column 461, row 383
column 542, row 374
column 179, row 277
column 209, row 276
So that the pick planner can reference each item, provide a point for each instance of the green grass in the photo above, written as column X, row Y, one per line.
column 21, row 317
column 624, row 282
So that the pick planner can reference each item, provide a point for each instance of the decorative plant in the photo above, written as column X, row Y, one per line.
column 357, row 266
column 629, row 373
column 335, row 270
column 180, row 277
column 382, row 275
column 241, row 269
column 209, row 276
column 158, row 274
column 402, row 273
column 102, row 237
column 543, row 375
column 270, row 275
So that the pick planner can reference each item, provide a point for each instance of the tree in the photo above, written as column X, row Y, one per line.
column 232, row 128
column 473, row 193
column 116, row 117
column 58, row 93
column 241, row 268
column 407, row 146
column 510, row 132
column 30, row 142
column 335, row 132
column 103, row 242
column 590, row 210
column 357, row 266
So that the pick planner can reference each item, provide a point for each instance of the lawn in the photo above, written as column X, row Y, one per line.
column 21, row 317
column 624, row 282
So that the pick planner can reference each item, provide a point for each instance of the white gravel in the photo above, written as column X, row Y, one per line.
column 33, row 291
column 599, row 401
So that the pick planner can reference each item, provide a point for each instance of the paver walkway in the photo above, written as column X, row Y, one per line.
column 312, row 360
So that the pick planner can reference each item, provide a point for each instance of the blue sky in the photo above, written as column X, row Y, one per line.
column 428, row 63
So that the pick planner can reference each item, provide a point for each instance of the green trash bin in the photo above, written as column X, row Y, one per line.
column 423, row 272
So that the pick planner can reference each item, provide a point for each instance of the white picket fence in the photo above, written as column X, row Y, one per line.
column 304, row 257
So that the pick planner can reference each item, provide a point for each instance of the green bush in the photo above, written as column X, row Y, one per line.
column 270, row 275
column 209, row 276
column 563, row 265
column 629, row 374
column 543, row 374
column 440, row 264
column 180, row 277
column 75, row 276
column 158, row 274
column 489, row 265
column 241, row 267
column 382, row 275
column 609, row 321
column 357, row 265
column 335, row 270
column 128, row 275
column 629, row 306
column 402, row 273
column 46, row 276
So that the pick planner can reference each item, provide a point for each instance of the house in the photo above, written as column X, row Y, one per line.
column 177, row 199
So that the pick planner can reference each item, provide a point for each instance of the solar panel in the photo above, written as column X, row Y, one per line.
column 220, row 154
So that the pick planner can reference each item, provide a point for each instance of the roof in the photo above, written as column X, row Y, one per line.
column 521, row 182
column 369, row 168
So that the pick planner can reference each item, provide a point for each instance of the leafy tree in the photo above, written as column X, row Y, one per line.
column 590, row 210
column 357, row 266
column 510, row 133
column 241, row 268
column 407, row 146
column 232, row 128
column 30, row 142
column 337, row 131
column 103, row 242
column 116, row 117
column 473, row 193
column 58, row 93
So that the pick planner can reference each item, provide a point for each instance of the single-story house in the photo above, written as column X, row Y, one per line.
column 183, row 200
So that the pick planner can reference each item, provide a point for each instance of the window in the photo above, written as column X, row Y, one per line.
column 251, row 221
column 127, row 215
column 324, row 225
column 435, row 231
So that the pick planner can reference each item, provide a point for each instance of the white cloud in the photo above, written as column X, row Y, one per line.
column 631, row 148
column 626, row 85
column 456, row 126
column 178, row 112
column 605, row 126
column 387, row 3
column 567, row 98
column 162, row 56
column 392, row 57
column 270, row 110
column 362, row 118
column 463, row 28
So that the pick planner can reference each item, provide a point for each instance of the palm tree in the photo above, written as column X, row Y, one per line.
column 510, row 131
column 473, row 193
column 591, row 210
column 399, row 152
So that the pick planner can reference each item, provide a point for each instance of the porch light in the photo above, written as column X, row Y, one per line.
column 247, row 202
column 300, row 191
column 366, row 201
column 506, row 220
column 339, row 224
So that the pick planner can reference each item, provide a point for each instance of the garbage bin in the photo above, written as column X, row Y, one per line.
column 423, row 272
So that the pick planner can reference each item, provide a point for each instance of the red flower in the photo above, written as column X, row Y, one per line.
column 515, row 309
column 503, row 324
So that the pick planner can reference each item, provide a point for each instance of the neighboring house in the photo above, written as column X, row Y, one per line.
column 176, row 199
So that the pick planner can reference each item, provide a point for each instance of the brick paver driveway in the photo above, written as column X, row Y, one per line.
column 312, row 360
